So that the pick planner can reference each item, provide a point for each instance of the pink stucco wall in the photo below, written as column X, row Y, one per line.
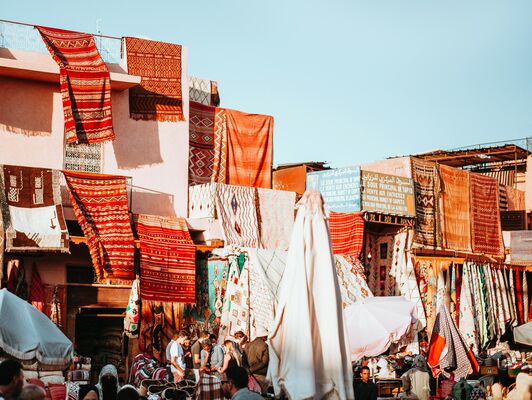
column 400, row 166
column 154, row 154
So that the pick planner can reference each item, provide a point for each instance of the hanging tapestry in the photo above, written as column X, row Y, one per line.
column 467, row 312
column 218, row 273
column 233, row 294
column 84, row 157
column 456, row 224
column 197, row 315
column 379, row 252
column 236, row 208
column 427, row 191
column 158, row 323
column 33, row 210
column 101, row 207
column 203, row 91
column 486, row 235
column 202, row 201
column 219, row 165
column 36, row 297
column 250, row 151
column 427, row 276
column 503, row 198
column 515, row 199
column 520, row 245
column 131, row 320
column 275, row 217
column 347, row 233
column 201, row 143
column 351, row 279
column 167, row 259
column 85, row 85
column 266, row 269
column 159, row 96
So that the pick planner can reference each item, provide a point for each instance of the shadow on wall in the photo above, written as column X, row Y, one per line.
column 153, row 203
column 26, row 107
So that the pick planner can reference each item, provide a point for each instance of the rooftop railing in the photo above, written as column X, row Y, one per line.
column 25, row 37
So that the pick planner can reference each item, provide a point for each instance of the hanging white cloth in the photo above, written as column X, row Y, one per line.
column 308, row 349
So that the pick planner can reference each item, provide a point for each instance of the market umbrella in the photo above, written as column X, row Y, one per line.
column 27, row 334
column 308, row 351
column 374, row 323
column 523, row 334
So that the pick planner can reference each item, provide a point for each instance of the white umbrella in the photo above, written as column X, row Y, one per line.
column 523, row 334
column 27, row 334
column 374, row 323
column 308, row 351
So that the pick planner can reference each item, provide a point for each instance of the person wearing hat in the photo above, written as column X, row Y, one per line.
column 256, row 357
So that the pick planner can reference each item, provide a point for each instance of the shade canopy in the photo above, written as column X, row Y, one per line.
column 28, row 335
column 374, row 323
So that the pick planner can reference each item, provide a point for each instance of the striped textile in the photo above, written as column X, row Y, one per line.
column 486, row 235
column 426, row 190
column 85, row 85
column 347, row 233
column 159, row 96
column 456, row 224
column 201, row 143
column 167, row 259
column 101, row 207
column 250, row 149
column 237, row 212
column 36, row 295
column 219, row 165
column 33, row 210
column 503, row 197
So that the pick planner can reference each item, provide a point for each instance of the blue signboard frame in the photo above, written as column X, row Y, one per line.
column 340, row 188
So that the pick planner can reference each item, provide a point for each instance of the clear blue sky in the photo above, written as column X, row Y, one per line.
column 347, row 81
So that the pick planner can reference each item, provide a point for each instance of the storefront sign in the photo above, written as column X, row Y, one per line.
column 340, row 188
column 387, row 194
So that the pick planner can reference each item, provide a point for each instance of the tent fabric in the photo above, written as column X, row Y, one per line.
column 30, row 335
column 523, row 334
column 308, row 343
column 388, row 319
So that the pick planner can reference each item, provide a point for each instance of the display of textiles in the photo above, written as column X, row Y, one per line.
column 234, row 315
column 515, row 199
column 456, row 222
column 275, row 217
column 167, row 259
column 486, row 235
column 159, row 96
column 131, row 320
column 250, row 149
column 237, row 212
column 32, row 209
column 197, row 316
column 36, row 295
column 427, row 192
column 347, row 233
column 351, row 279
column 219, row 165
column 201, row 143
column 218, row 270
column 101, row 206
column 202, row 201
column 379, row 254
column 203, row 91
column 85, row 85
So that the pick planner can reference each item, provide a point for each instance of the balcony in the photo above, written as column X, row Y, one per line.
column 23, row 55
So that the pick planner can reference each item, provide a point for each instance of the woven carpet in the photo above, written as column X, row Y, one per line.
column 381, row 249
column 219, row 166
column 203, row 91
column 85, row 85
column 201, row 143
column 426, row 190
column 101, row 207
column 353, row 286
column 159, row 96
column 347, row 233
column 236, row 208
column 32, row 209
column 276, row 217
column 167, row 259
column 515, row 199
column 486, row 235
column 456, row 226
column 36, row 295
column 250, row 151
column 202, row 201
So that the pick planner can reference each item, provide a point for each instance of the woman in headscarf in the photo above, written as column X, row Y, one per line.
column 416, row 381
column 108, row 383
column 88, row 392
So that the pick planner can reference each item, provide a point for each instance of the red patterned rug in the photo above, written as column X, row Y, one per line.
column 101, row 207
column 159, row 96
column 347, row 233
column 201, row 143
column 85, row 85
column 167, row 259
column 486, row 235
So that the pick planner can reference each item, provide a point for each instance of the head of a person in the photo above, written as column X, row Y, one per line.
column 420, row 363
column 204, row 335
column 109, row 382
column 364, row 373
column 240, row 337
column 88, row 392
column 11, row 378
column 213, row 338
column 236, row 378
column 182, row 337
column 32, row 392
column 127, row 392
column 175, row 336
column 207, row 345
column 229, row 346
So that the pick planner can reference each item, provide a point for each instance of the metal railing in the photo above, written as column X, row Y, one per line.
column 20, row 36
column 524, row 143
